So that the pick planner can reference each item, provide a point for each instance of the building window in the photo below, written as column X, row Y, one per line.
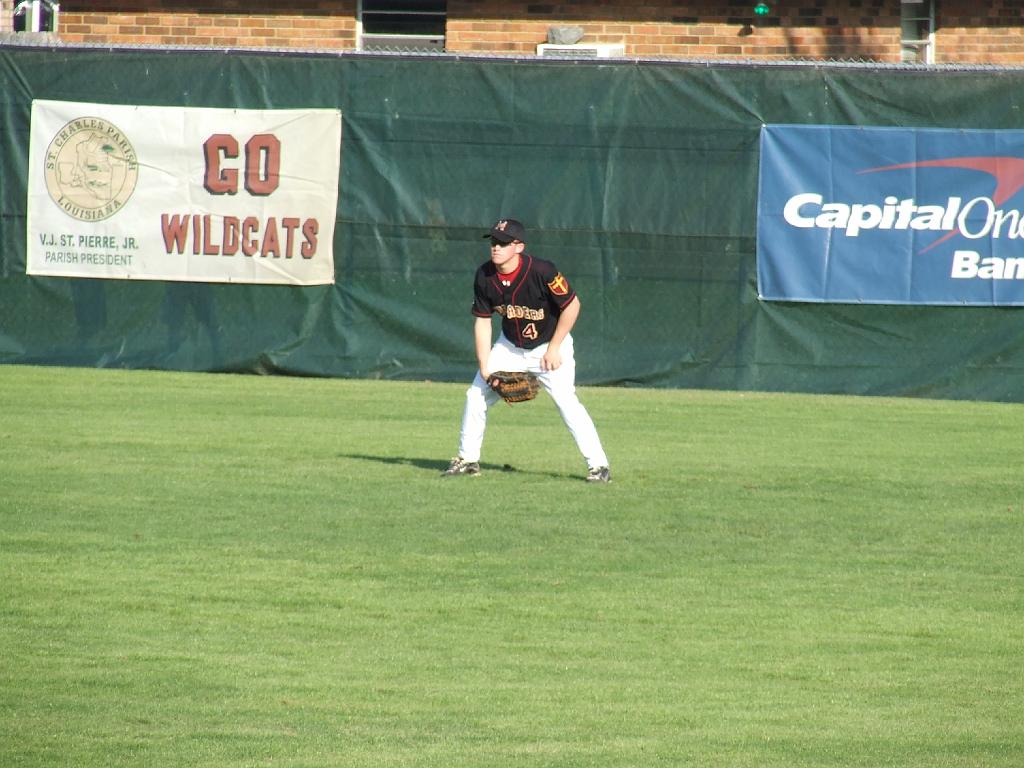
column 36, row 16
column 917, row 24
column 402, row 24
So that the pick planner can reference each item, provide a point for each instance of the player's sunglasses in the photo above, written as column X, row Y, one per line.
column 495, row 241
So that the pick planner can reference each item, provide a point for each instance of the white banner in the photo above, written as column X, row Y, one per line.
column 183, row 193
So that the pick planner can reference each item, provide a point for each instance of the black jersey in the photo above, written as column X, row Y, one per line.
column 529, row 306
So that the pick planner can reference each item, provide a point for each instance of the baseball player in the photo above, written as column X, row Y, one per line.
column 538, row 309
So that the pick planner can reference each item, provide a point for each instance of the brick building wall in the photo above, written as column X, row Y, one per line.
column 311, row 24
column 982, row 33
column 867, row 29
column 967, row 31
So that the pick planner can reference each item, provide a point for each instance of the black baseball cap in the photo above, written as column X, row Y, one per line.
column 507, row 230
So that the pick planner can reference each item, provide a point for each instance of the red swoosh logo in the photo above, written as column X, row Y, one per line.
column 1008, row 173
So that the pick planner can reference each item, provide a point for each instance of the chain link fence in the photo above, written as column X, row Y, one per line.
column 50, row 40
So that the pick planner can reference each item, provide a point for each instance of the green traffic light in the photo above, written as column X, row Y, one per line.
column 762, row 9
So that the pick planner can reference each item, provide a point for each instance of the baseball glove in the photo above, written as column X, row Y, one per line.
column 514, row 387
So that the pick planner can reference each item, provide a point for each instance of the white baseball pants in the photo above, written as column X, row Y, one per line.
column 560, row 384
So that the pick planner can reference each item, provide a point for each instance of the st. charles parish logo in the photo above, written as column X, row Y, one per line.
column 91, row 169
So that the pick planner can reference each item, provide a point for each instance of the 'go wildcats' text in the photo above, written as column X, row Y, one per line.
column 230, row 168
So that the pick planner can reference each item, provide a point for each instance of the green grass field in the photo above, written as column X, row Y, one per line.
column 212, row 570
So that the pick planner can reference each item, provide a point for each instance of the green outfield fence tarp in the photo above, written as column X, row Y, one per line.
column 639, row 179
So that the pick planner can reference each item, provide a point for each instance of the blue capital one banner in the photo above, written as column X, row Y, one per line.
column 891, row 215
